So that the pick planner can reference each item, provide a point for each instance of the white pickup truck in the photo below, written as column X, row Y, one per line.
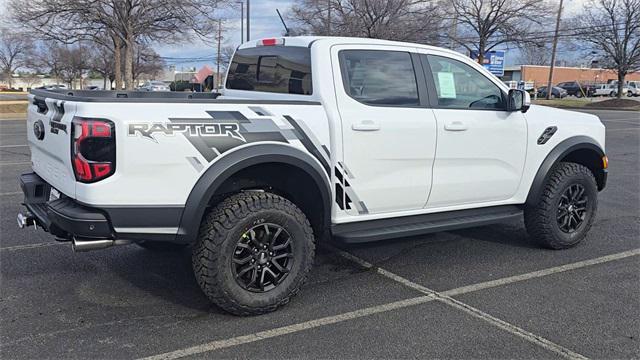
column 356, row 139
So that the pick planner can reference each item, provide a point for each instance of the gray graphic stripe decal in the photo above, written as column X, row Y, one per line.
column 308, row 144
column 260, row 111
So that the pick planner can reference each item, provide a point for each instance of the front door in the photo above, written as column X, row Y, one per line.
column 389, row 135
column 481, row 146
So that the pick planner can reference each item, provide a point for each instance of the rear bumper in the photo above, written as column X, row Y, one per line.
column 63, row 217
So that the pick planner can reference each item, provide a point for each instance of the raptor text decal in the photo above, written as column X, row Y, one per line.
column 188, row 129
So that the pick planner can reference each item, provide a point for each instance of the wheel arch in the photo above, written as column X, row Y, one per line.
column 220, row 178
column 579, row 149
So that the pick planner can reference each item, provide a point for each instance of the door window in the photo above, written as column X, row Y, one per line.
column 459, row 86
column 376, row 77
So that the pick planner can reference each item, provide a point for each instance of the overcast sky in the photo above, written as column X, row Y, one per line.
column 264, row 23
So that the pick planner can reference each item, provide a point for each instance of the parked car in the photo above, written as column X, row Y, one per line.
column 625, row 91
column 93, row 87
column 557, row 92
column 154, row 86
column 576, row 89
column 54, row 87
column 633, row 88
column 290, row 157
column 602, row 89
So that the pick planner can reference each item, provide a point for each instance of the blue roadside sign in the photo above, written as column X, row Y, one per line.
column 493, row 61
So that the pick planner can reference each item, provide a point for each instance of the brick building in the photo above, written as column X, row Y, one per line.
column 540, row 74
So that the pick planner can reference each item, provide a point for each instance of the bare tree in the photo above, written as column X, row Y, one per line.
column 533, row 53
column 101, row 61
column 147, row 63
column 616, row 34
column 15, row 48
column 124, row 23
column 74, row 64
column 481, row 25
column 48, row 59
column 402, row 20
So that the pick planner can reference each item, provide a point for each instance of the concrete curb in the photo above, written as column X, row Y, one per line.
column 13, row 116
column 590, row 108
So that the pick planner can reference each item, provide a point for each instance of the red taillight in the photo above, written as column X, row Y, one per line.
column 93, row 149
column 271, row 42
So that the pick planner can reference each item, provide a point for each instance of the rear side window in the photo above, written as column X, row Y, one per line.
column 378, row 77
column 276, row 69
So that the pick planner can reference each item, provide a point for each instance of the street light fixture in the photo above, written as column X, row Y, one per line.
column 241, row 20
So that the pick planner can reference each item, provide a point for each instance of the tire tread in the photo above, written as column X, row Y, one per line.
column 212, row 233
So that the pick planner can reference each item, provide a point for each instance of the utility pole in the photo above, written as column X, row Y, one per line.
column 248, row 20
column 328, row 17
column 241, row 20
column 217, row 84
column 553, row 53
column 453, row 32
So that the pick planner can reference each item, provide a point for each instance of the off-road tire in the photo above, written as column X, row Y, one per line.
column 161, row 246
column 220, row 231
column 541, row 218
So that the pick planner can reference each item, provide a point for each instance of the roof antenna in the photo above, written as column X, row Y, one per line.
column 286, row 29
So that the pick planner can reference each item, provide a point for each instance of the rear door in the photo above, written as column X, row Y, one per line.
column 389, row 134
column 49, row 138
column 481, row 146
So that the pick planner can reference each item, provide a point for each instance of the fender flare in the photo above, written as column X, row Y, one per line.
column 561, row 150
column 234, row 161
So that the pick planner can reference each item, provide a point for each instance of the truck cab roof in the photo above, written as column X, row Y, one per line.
column 308, row 41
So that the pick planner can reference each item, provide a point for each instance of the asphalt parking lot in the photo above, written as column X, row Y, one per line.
column 484, row 292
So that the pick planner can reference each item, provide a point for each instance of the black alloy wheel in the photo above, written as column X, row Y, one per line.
column 263, row 257
column 572, row 208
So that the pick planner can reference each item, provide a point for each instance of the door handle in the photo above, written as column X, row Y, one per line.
column 455, row 125
column 366, row 125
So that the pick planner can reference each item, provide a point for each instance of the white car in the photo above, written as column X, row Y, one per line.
column 154, row 86
column 609, row 90
column 356, row 139
column 633, row 88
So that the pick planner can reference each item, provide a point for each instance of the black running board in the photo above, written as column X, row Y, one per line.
column 376, row 230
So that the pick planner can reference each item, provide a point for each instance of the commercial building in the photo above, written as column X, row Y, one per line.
column 539, row 75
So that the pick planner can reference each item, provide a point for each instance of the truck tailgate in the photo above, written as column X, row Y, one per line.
column 49, row 138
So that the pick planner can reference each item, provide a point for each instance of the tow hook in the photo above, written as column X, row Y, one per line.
column 26, row 220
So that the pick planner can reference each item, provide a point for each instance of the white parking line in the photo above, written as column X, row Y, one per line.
column 626, row 121
column 12, row 146
column 262, row 335
column 625, row 129
column 16, row 163
column 541, row 273
column 431, row 295
column 11, row 193
column 30, row 246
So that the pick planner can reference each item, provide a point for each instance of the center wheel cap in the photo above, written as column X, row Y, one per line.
column 262, row 258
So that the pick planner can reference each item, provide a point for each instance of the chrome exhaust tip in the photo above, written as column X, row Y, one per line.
column 82, row 245
column 25, row 220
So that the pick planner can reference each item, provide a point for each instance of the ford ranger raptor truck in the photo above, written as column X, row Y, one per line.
column 356, row 139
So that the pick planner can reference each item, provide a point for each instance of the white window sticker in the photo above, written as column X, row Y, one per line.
column 447, row 85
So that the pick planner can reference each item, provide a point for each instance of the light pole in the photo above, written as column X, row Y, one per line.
column 241, row 20
column 217, row 79
column 248, row 20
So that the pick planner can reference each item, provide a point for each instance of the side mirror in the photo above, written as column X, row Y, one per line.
column 518, row 100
